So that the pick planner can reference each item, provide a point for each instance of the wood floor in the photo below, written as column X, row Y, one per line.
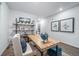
column 9, row 51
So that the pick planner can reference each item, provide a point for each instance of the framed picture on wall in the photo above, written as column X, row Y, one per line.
column 67, row 25
column 55, row 26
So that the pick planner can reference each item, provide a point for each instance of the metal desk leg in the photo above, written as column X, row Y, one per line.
column 41, row 53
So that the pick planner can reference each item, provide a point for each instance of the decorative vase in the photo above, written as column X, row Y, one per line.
column 44, row 36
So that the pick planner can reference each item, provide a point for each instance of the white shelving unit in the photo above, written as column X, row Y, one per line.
column 26, row 28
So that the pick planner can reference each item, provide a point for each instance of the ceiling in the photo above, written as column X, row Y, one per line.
column 42, row 9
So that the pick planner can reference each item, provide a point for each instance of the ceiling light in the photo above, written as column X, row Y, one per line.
column 60, row 9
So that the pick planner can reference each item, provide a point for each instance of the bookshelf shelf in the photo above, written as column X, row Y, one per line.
column 28, row 28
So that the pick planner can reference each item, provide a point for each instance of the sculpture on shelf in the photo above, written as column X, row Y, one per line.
column 44, row 36
column 24, row 20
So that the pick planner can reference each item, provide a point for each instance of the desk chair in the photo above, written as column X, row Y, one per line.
column 18, row 49
column 55, row 51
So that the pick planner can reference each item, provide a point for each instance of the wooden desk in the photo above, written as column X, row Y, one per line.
column 42, row 46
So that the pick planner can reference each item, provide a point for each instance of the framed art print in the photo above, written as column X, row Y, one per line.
column 67, row 25
column 55, row 26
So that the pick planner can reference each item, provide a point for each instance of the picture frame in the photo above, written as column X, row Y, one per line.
column 67, row 25
column 55, row 26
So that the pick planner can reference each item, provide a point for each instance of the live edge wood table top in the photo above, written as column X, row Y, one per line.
column 40, row 45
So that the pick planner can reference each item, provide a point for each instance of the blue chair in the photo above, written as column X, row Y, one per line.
column 55, row 51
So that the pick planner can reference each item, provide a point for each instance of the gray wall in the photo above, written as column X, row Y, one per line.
column 68, row 38
column 4, row 12
column 16, row 14
column 0, row 10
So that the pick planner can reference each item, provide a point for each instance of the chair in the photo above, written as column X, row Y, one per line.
column 17, row 47
column 55, row 51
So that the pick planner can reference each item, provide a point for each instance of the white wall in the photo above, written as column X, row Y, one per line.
column 0, row 10
column 69, row 38
column 43, row 23
column 4, row 12
column 16, row 14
